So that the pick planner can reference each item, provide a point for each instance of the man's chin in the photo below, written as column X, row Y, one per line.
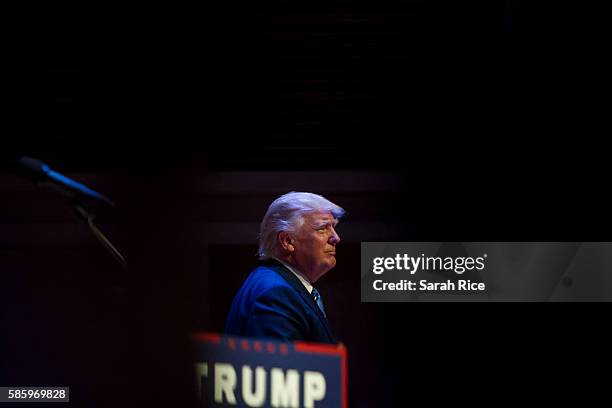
column 329, row 265
column 330, row 262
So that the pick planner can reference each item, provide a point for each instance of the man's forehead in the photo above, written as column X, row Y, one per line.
column 321, row 216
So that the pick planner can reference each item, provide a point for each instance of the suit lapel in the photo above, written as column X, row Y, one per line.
column 298, row 286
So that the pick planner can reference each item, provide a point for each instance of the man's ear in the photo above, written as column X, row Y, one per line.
column 286, row 241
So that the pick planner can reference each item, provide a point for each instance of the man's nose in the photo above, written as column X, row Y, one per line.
column 334, row 238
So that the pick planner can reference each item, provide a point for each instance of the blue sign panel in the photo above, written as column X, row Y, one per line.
column 244, row 372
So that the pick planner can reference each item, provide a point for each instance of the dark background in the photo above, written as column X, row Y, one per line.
column 424, row 120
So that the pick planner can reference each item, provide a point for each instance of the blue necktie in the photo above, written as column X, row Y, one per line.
column 317, row 298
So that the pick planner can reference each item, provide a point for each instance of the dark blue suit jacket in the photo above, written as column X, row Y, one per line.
column 273, row 303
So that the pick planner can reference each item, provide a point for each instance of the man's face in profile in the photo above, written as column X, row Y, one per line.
column 315, row 244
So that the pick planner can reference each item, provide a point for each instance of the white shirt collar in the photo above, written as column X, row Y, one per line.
column 301, row 277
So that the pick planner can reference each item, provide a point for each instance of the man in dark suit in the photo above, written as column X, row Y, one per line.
column 297, row 245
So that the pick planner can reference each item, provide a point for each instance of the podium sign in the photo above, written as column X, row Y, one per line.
column 245, row 372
